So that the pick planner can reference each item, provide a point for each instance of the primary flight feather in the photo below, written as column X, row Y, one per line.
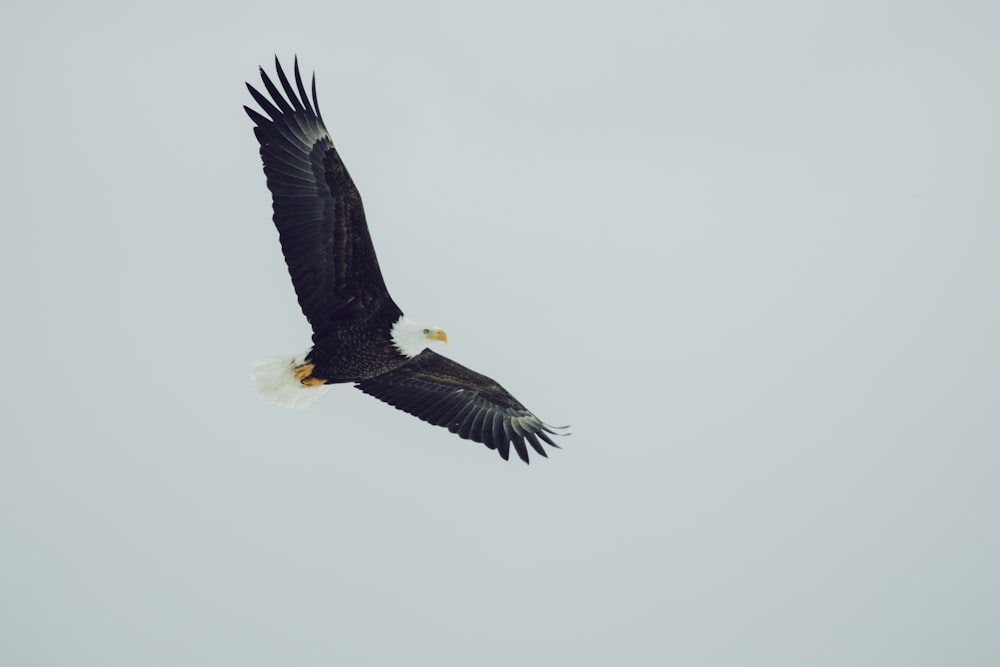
column 360, row 335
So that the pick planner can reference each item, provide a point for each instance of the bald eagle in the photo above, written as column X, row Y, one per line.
column 360, row 335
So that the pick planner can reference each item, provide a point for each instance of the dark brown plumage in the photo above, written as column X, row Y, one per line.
column 359, row 334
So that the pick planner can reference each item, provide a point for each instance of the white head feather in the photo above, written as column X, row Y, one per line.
column 411, row 338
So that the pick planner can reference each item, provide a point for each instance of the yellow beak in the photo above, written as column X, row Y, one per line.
column 438, row 334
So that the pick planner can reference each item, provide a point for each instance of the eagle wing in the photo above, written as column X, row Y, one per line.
column 445, row 393
column 317, row 208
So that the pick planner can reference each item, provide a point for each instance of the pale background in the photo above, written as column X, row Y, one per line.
column 748, row 250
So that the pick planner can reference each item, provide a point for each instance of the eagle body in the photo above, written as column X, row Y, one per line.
column 360, row 335
column 358, row 347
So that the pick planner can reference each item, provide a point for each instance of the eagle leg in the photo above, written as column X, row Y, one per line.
column 304, row 375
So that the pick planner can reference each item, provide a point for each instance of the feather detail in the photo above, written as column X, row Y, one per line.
column 274, row 380
column 409, row 337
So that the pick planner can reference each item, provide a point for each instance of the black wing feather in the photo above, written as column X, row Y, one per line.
column 272, row 90
column 302, row 91
column 289, row 92
column 445, row 393
column 464, row 412
column 537, row 446
column 499, row 437
column 473, row 424
column 317, row 208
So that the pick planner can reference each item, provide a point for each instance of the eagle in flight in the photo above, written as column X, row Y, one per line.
column 360, row 335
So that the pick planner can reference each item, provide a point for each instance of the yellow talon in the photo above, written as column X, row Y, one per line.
column 312, row 382
column 304, row 371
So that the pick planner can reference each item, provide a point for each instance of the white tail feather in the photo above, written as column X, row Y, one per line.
column 274, row 380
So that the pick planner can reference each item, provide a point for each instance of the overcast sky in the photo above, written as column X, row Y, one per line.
column 749, row 251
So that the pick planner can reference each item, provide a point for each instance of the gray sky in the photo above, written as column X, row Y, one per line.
column 749, row 251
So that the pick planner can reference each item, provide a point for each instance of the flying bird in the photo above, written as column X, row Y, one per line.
column 360, row 335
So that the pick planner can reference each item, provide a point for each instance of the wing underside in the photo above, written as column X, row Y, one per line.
column 317, row 208
column 445, row 393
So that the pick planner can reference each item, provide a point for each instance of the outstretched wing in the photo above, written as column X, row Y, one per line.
column 445, row 393
column 317, row 207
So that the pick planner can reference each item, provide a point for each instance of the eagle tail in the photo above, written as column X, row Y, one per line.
column 274, row 380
